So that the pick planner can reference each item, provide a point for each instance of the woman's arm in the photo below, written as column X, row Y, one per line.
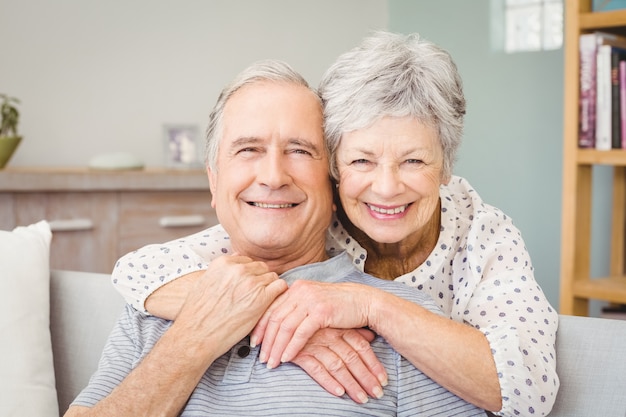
column 138, row 274
column 156, row 279
column 167, row 300
column 457, row 356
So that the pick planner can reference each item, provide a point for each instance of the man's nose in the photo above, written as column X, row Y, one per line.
column 274, row 170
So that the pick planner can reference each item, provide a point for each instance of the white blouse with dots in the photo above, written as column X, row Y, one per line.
column 479, row 273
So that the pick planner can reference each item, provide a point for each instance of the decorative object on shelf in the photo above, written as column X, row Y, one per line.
column 116, row 161
column 9, row 139
column 182, row 146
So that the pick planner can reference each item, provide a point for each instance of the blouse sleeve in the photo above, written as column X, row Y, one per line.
column 510, row 308
column 138, row 274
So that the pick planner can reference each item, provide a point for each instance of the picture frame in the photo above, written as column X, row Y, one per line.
column 182, row 145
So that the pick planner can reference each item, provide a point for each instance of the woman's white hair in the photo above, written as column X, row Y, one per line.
column 394, row 75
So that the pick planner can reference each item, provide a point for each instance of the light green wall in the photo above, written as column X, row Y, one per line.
column 511, row 151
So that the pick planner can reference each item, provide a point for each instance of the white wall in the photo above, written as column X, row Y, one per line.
column 103, row 76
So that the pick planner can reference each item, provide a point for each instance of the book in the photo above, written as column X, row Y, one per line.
column 616, row 312
column 603, row 98
column 617, row 55
column 588, row 46
column 622, row 88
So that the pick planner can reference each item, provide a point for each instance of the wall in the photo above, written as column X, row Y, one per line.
column 103, row 76
column 511, row 151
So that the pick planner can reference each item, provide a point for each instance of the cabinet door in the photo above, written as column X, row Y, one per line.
column 7, row 213
column 84, row 227
column 157, row 217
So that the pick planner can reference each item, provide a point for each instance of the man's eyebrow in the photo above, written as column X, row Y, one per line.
column 304, row 143
column 244, row 141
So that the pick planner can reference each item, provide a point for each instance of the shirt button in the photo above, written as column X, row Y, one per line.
column 243, row 351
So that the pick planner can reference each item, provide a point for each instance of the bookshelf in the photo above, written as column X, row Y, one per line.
column 577, row 286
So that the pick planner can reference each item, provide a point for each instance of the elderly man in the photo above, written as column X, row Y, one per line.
column 268, row 174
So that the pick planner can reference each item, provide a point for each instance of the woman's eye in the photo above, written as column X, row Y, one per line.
column 360, row 161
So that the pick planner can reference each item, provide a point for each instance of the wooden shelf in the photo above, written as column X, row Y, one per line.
column 614, row 19
column 577, row 285
column 593, row 157
column 611, row 289
column 27, row 179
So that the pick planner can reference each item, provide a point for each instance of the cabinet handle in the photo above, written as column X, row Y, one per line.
column 70, row 225
column 182, row 221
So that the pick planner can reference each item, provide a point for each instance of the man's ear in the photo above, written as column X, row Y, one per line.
column 212, row 184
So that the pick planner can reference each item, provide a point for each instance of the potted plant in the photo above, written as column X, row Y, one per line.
column 9, row 139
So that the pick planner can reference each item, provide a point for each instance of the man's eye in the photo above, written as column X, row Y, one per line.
column 301, row 151
column 246, row 150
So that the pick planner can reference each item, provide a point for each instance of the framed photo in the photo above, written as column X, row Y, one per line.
column 182, row 146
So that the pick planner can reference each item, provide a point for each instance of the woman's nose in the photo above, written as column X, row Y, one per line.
column 387, row 182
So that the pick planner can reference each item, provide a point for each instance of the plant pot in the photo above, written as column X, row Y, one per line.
column 8, row 144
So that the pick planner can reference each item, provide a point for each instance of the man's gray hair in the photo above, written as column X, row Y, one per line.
column 266, row 70
column 394, row 75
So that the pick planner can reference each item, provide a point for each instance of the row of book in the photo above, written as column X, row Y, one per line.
column 602, row 104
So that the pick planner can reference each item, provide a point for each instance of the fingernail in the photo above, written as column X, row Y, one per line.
column 339, row 391
column 271, row 364
column 263, row 357
column 253, row 341
column 382, row 378
column 378, row 392
column 362, row 398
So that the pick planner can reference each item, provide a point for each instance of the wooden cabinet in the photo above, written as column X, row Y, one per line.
column 98, row 216
column 577, row 287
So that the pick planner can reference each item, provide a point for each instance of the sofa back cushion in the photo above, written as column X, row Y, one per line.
column 83, row 309
column 591, row 363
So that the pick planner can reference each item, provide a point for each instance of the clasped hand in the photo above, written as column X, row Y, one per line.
column 319, row 327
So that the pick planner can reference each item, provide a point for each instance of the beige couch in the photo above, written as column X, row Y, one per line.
column 591, row 353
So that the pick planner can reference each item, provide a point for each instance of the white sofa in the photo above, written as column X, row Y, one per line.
column 591, row 353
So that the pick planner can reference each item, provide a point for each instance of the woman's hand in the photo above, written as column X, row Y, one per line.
column 342, row 361
column 298, row 314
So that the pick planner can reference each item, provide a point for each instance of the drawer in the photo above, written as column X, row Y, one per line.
column 84, row 227
column 156, row 217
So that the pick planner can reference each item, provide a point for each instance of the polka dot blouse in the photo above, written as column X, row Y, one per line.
column 479, row 273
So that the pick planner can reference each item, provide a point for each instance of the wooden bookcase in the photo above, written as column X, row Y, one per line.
column 577, row 286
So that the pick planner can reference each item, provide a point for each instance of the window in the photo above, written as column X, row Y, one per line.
column 529, row 25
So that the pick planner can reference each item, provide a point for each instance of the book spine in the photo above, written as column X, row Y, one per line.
column 622, row 87
column 616, row 119
column 587, row 104
column 603, row 98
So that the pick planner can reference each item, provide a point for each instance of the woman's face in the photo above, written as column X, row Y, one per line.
column 389, row 177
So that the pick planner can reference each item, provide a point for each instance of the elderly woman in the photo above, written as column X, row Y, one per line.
column 394, row 110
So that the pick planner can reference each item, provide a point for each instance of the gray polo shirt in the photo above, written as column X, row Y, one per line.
column 237, row 384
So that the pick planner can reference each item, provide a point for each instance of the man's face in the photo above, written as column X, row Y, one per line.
column 271, row 189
